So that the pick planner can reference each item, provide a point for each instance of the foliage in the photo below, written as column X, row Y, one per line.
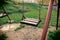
column 3, row 37
column 47, row 2
column 55, row 35
column 2, row 2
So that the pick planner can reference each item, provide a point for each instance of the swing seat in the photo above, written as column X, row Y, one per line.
column 2, row 15
column 31, row 21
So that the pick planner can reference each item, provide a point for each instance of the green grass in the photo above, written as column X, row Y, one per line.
column 33, row 12
column 21, row 26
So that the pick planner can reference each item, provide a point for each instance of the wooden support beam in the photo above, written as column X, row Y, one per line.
column 47, row 21
column 57, row 15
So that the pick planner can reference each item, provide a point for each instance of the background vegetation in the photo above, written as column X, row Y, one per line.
column 54, row 35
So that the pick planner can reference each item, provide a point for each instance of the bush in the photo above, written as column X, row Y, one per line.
column 3, row 37
column 55, row 35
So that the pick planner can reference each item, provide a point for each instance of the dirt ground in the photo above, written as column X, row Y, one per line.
column 26, row 33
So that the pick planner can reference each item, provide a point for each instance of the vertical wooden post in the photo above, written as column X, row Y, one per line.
column 57, row 16
column 47, row 21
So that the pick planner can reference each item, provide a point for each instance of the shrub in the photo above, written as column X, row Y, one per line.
column 3, row 37
column 55, row 35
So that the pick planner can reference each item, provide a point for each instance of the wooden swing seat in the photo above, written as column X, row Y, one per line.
column 31, row 21
column 2, row 15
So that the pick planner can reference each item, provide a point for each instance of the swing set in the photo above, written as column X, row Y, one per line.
column 35, row 22
column 30, row 21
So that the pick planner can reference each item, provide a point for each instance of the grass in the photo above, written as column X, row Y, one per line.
column 15, row 15
column 21, row 26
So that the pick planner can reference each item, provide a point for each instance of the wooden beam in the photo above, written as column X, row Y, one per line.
column 47, row 21
column 57, row 16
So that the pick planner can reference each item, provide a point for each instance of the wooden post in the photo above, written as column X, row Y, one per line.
column 47, row 21
column 57, row 16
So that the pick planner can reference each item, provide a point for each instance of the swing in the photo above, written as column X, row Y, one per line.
column 30, row 21
column 4, row 14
